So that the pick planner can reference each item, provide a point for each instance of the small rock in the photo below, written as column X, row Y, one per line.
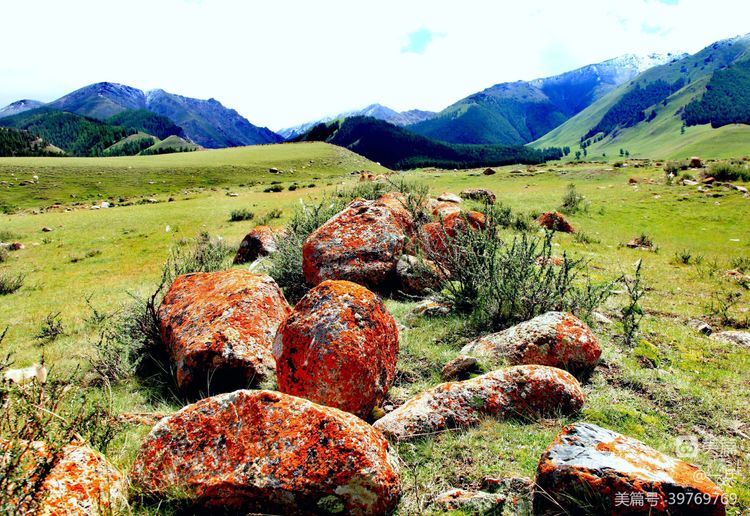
column 429, row 308
column 632, row 181
column 417, row 276
column 555, row 221
column 587, row 462
column 459, row 368
column 735, row 337
column 709, row 180
column 491, row 172
column 233, row 194
column 556, row 339
column 261, row 451
column 700, row 326
column 46, row 229
column 444, row 209
column 695, row 162
column 273, row 170
column 479, row 194
column 261, row 241
column 514, row 392
column 600, row 318
column 449, row 197
column 741, row 189
column 338, row 348
column 689, row 182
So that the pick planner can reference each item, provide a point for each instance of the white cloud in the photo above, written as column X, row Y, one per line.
column 281, row 63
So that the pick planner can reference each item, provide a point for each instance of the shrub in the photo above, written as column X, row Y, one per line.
column 4, row 255
column 584, row 238
column 274, row 189
column 8, row 236
column 241, row 214
column 672, row 167
column 572, row 201
column 9, row 283
column 632, row 312
column 729, row 172
column 51, row 328
column 502, row 284
column 286, row 263
column 740, row 263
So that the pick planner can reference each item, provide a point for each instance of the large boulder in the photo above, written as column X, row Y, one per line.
column 219, row 327
column 514, row 392
column 338, row 348
column 362, row 244
column 80, row 482
column 417, row 276
column 619, row 475
column 398, row 203
column 263, row 451
column 435, row 237
column 557, row 339
column 260, row 242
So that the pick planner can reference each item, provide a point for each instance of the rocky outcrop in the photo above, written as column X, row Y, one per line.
column 262, row 451
column 338, row 348
column 515, row 392
column 362, row 244
column 219, row 327
column 556, row 339
column 260, row 242
column 619, row 475
column 555, row 221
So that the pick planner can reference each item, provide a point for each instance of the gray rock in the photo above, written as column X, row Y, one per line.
column 700, row 326
column 450, row 197
column 459, row 368
column 735, row 337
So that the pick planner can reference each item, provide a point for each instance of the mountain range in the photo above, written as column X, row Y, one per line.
column 698, row 105
column 205, row 122
column 377, row 111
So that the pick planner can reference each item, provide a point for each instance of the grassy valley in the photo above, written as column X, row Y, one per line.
column 675, row 382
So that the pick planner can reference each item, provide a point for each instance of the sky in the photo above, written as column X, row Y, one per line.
column 284, row 62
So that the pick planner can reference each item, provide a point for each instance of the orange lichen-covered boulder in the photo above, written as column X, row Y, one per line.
column 435, row 237
column 268, row 452
column 260, row 242
column 557, row 339
column 522, row 391
column 397, row 203
column 80, row 481
column 338, row 348
column 219, row 327
column 619, row 475
column 362, row 244
column 555, row 221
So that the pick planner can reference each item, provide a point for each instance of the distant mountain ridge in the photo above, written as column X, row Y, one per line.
column 205, row 122
column 520, row 112
column 695, row 106
column 377, row 111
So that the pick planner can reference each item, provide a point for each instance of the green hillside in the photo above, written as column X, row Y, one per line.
column 131, row 145
column 169, row 145
column 14, row 142
column 147, row 122
column 398, row 148
column 655, row 127
column 75, row 134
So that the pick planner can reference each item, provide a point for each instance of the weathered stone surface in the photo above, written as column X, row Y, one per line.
column 459, row 368
column 471, row 502
column 338, row 348
column 268, row 452
column 397, row 203
column 362, row 244
column 443, row 209
column 219, row 328
column 260, row 242
column 555, row 221
column 435, row 236
column 81, row 481
column 700, row 326
column 522, row 391
column 449, row 197
column 417, row 276
column 479, row 194
column 606, row 468
column 735, row 337
column 428, row 308
column 557, row 339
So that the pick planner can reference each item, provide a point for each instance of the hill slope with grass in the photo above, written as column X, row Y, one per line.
column 646, row 116
column 147, row 122
column 520, row 112
column 398, row 148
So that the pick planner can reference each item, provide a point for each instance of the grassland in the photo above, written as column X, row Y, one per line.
column 678, row 383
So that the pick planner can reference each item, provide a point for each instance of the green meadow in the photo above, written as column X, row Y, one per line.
column 674, row 383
